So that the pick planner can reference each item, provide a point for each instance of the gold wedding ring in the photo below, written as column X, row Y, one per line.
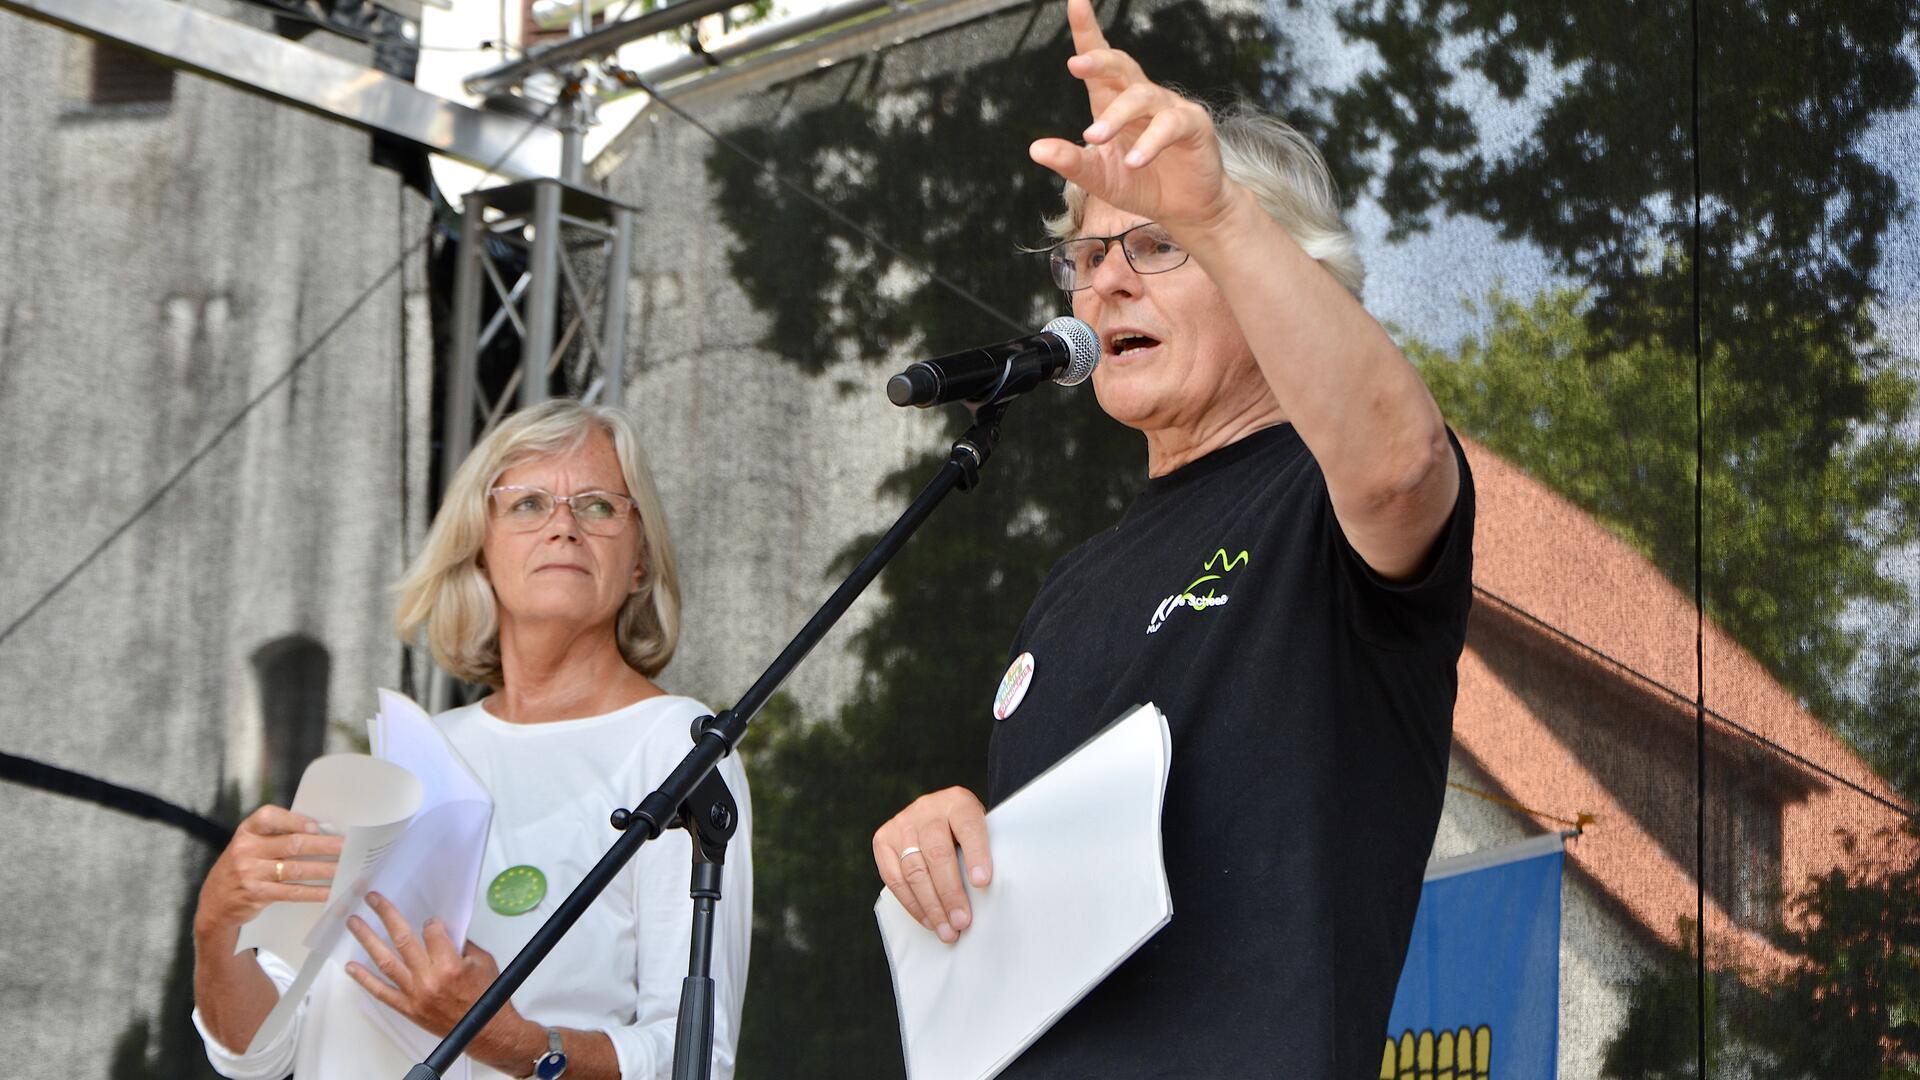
column 279, row 870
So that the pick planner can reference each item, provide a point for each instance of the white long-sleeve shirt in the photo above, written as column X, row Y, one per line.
column 619, row 970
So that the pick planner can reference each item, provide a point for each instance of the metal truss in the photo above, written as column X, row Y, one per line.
column 578, row 248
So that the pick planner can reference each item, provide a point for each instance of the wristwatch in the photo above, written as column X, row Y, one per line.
column 551, row 1065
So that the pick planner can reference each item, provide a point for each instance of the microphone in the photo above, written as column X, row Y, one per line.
column 1065, row 350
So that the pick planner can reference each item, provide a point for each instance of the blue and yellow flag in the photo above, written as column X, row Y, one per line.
column 1479, row 997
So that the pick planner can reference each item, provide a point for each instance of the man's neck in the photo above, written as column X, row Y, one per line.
column 1172, row 448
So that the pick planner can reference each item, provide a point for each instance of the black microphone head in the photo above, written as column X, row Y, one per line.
column 1083, row 349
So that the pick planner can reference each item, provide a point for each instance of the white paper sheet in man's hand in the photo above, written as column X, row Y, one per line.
column 1079, row 883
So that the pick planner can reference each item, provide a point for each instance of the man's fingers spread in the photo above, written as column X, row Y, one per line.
column 1137, row 102
column 1107, row 64
column 1166, row 129
column 1064, row 158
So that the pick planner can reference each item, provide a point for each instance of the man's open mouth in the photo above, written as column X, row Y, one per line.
column 1122, row 344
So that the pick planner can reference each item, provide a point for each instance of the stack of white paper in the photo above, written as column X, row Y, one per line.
column 1079, row 884
column 414, row 821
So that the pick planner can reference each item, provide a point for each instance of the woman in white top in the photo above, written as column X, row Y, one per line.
column 549, row 576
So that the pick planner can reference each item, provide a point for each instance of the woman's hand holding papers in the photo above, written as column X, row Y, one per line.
column 275, row 854
column 918, row 855
column 433, row 984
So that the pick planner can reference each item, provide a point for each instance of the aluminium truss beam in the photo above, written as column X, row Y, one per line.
column 259, row 62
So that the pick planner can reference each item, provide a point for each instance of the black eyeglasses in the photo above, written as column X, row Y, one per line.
column 1147, row 247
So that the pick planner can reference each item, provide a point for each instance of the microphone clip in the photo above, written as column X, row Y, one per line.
column 973, row 448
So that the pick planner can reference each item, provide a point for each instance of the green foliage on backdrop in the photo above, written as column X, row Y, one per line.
column 1600, row 176
column 1852, row 1009
column 1591, row 388
column 1810, row 476
column 1793, row 541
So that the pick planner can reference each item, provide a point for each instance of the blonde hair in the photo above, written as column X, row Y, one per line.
column 1286, row 174
column 445, row 594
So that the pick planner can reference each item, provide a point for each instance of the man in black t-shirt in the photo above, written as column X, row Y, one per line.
column 1291, row 590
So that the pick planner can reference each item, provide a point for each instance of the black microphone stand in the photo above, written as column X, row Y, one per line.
column 693, row 797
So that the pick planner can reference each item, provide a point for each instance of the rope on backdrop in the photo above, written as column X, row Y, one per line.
column 1577, row 823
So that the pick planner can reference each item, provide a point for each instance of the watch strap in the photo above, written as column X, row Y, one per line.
column 551, row 1065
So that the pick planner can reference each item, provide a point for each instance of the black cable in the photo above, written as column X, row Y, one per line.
column 825, row 207
column 1680, row 696
column 1699, row 576
column 59, row 781
column 400, row 351
column 200, row 455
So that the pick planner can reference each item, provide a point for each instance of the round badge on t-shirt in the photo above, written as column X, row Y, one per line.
column 1013, row 686
column 517, row 890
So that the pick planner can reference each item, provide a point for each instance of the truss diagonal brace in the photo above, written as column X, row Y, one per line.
column 270, row 65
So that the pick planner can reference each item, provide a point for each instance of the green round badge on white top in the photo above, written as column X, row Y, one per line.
column 1013, row 686
column 517, row 890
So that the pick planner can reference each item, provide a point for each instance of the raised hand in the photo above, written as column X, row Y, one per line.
column 1148, row 151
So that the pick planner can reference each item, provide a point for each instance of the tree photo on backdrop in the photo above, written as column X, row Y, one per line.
column 1811, row 475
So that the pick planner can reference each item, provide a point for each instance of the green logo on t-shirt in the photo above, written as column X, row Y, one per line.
column 517, row 890
column 1218, row 566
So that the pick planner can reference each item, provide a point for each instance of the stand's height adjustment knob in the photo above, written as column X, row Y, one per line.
column 620, row 819
column 701, row 724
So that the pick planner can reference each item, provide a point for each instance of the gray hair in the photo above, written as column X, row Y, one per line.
column 444, row 592
column 1285, row 172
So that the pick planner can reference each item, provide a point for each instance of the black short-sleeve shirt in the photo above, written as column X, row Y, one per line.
column 1311, row 706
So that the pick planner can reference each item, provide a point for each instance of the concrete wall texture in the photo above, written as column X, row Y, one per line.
column 163, row 265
